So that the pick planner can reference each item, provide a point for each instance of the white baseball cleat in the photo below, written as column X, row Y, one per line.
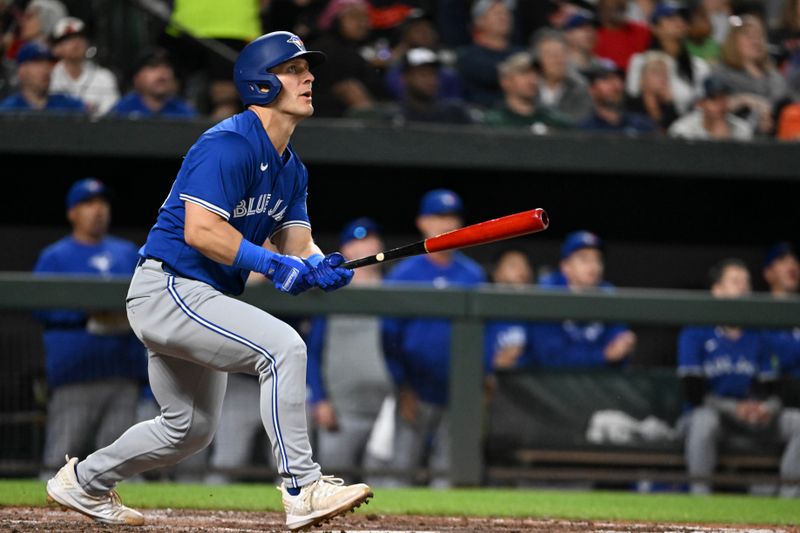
column 322, row 500
column 63, row 489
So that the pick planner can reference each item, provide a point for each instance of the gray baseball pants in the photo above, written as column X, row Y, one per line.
column 706, row 427
column 195, row 335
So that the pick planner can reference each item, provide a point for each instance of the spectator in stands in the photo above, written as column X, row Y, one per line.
column 507, row 341
column 94, row 365
column 686, row 72
column 729, row 383
column 640, row 11
column 39, row 20
column 746, row 66
column 781, row 271
column 418, row 349
column 196, row 28
column 712, row 118
column 609, row 114
column 789, row 123
column 700, row 40
column 617, row 37
column 492, row 25
column 347, row 374
column 785, row 38
column 572, row 344
column 654, row 96
column 78, row 76
column 580, row 34
column 421, row 102
column 155, row 90
column 560, row 88
column 418, row 32
column 520, row 108
column 35, row 65
column 346, row 82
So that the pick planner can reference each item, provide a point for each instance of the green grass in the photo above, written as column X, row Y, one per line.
column 597, row 505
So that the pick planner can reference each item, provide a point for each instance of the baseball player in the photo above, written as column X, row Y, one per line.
column 781, row 271
column 240, row 185
column 94, row 364
column 418, row 349
column 729, row 380
column 347, row 374
column 580, row 344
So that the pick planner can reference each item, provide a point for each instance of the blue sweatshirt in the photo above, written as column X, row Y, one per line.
column 418, row 349
column 571, row 344
column 73, row 355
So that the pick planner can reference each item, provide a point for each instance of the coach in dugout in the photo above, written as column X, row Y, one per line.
column 417, row 350
column 93, row 363
column 580, row 344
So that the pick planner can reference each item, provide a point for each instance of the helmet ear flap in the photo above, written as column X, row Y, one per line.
column 262, row 91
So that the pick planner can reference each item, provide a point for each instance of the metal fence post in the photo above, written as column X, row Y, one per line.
column 466, row 408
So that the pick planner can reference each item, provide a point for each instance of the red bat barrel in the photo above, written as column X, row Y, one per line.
column 490, row 231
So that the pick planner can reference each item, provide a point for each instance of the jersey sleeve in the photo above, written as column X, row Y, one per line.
column 216, row 173
column 48, row 264
column 768, row 363
column 297, row 211
column 690, row 345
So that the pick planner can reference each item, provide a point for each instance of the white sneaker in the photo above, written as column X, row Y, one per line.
column 322, row 500
column 63, row 489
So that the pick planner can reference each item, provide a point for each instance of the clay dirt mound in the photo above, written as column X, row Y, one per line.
column 51, row 519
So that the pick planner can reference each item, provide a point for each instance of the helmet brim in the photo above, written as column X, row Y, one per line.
column 313, row 57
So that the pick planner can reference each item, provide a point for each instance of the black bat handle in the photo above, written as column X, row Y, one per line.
column 389, row 255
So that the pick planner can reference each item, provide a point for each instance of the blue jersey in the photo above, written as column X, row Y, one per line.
column 55, row 102
column 729, row 366
column 784, row 349
column 418, row 350
column 233, row 170
column 571, row 344
column 73, row 355
column 132, row 106
column 500, row 335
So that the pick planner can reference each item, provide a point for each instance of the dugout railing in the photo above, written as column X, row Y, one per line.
column 468, row 309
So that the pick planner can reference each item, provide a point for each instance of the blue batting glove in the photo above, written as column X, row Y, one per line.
column 288, row 273
column 339, row 276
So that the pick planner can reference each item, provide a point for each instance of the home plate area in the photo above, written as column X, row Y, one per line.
column 39, row 519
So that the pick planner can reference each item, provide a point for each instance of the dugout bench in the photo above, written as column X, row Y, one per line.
column 536, row 432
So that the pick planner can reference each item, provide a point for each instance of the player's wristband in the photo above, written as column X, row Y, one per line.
column 315, row 259
column 253, row 258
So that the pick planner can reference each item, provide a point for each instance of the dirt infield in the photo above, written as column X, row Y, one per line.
column 29, row 519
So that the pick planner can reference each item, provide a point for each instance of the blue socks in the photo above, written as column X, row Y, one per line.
column 294, row 491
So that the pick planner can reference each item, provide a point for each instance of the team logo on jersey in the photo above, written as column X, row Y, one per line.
column 101, row 262
column 295, row 40
column 256, row 205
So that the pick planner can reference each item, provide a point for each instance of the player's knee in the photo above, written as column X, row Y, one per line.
column 191, row 433
column 704, row 421
column 291, row 345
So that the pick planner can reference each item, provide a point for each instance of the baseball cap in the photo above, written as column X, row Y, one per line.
column 34, row 51
column 776, row 251
column 68, row 27
column 418, row 57
column 440, row 202
column 603, row 68
column 357, row 229
column 577, row 19
column 482, row 6
column 716, row 86
column 85, row 189
column 152, row 57
column 578, row 240
column 666, row 9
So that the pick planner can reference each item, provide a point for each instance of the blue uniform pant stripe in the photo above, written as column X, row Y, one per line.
column 272, row 366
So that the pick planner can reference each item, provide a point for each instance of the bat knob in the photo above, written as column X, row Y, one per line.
column 380, row 257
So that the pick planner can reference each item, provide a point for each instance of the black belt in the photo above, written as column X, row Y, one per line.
column 165, row 267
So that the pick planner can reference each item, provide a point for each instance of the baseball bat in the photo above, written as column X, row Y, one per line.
column 493, row 230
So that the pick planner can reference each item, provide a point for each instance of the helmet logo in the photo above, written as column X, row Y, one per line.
column 295, row 40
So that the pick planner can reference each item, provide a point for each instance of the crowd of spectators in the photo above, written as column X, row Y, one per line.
column 698, row 69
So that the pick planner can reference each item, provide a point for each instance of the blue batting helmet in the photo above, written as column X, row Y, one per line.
column 255, row 84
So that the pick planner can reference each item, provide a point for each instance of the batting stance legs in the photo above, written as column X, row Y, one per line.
column 193, row 344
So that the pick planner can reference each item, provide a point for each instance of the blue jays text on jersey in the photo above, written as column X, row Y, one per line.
column 233, row 170
column 730, row 366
